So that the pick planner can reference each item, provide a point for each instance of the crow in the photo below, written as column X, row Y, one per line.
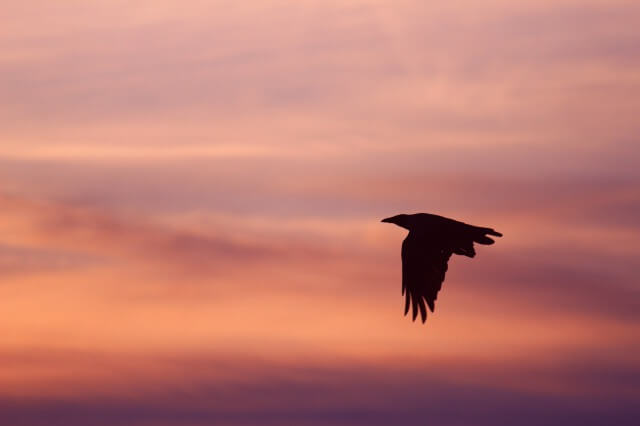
column 431, row 241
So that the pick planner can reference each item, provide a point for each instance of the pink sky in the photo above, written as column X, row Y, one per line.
column 190, row 197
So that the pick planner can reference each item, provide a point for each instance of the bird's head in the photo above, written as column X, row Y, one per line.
column 403, row 220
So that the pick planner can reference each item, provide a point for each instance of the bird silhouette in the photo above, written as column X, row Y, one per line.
column 431, row 241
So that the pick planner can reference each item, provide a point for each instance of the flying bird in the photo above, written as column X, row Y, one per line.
column 431, row 241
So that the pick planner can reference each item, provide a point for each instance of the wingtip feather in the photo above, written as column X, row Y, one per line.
column 423, row 310
column 431, row 305
column 494, row 232
column 415, row 308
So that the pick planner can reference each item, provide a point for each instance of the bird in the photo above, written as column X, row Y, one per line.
column 426, row 250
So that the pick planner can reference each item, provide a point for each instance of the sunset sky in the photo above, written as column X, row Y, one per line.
column 191, row 194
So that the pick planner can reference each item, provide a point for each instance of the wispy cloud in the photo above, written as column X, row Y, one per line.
column 95, row 231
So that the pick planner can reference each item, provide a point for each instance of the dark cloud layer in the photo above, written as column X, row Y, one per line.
column 355, row 397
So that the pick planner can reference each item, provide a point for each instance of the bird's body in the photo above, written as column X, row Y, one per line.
column 431, row 241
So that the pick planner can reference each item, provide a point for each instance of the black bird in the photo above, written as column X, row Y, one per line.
column 431, row 241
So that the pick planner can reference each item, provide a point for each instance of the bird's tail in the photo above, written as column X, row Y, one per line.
column 481, row 235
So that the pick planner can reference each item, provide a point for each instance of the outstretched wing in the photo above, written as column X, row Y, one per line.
column 423, row 269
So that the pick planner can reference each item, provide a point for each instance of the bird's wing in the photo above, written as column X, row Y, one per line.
column 423, row 269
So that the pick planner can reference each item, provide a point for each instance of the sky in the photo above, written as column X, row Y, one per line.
column 191, row 195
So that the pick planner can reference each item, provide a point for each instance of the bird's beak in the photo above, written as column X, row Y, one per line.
column 387, row 220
